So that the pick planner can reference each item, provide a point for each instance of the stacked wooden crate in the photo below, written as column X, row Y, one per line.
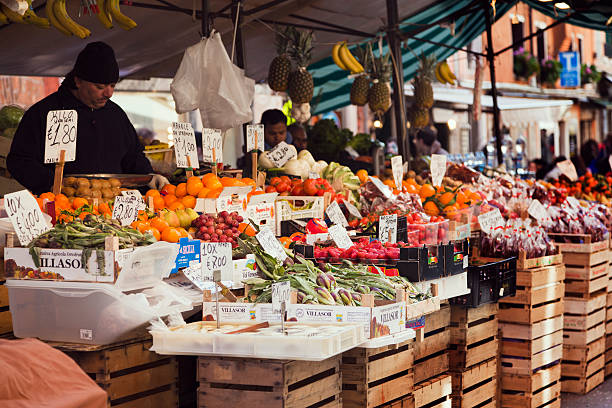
column 531, row 326
column 473, row 355
column 609, row 321
column 584, row 323
column 6, row 323
column 432, row 384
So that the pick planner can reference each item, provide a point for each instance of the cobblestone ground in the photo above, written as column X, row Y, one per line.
column 600, row 397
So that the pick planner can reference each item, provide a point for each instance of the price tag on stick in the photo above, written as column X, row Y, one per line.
column 567, row 168
column 335, row 214
column 125, row 209
column 217, row 256
column 537, row 211
column 281, row 293
column 281, row 154
column 25, row 215
column 352, row 209
column 387, row 228
column 61, row 134
column 270, row 244
column 398, row 171
column 490, row 220
column 340, row 237
column 184, row 145
column 437, row 168
column 212, row 145
column 381, row 187
column 255, row 137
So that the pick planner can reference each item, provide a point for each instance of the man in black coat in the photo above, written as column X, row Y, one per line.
column 106, row 140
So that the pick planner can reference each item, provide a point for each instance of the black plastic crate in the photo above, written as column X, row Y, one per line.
column 455, row 257
column 489, row 282
column 421, row 263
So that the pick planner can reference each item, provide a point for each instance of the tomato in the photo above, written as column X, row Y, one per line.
column 297, row 190
column 275, row 181
column 284, row 193
column 285, row 179
column 310, row 187
column 271, row 189
column 283, row 186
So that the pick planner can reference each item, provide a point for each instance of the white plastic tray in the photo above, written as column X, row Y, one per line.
column 390, row 339
column 305, row 341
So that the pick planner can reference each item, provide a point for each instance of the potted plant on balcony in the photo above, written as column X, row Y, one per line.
column 550, row 72
column 589, row 74
column 525, row 64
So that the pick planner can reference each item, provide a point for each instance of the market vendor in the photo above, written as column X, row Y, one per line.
column 275, row 128
column 106, row 140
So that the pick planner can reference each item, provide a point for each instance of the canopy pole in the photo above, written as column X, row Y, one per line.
column 239, row 41
column 205, row 17
column 491, row 58
column 394, row 42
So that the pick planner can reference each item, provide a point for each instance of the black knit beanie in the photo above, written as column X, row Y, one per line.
column 97, row 64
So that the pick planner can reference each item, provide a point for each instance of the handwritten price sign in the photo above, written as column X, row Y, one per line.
column 217, row 256
column 255, row 137
column 270, row 244
column 340, row 237
column 125, row 209
column 281, row 292
column 398, row 171
column 212, row 145
column 61, row 134
column 335, row 214
column 387, row 228
column 184, row 145
column 437, row 168
column 25, row 215
column 281, row 154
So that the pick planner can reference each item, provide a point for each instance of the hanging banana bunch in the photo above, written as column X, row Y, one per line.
column 443, row 73
column 29, row 17
column 105, row 10
column 344, row 59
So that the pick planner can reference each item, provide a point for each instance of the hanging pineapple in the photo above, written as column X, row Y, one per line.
column 379, row 94
column 280, row 67
column 418, row 117
column 423, row 91
column 301, row 85
column 361, row 84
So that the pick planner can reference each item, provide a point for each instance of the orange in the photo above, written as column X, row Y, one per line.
column 104, row 208
column 143, row 216
column 213, row 193
column 461, row 197
column 207, row 177
column 286, row 241
column 151, row 193
column 411, row 188
column 78, row 202
column 61, row 198
column 158, row 202
column 170, row 235
column 181, row 190
column 154, row 231
column 168, row 189
column 169, row 199
column 159, row 224
column 139, row 225
column 183, row 233
column 362, row 175
column 389, row 183
column 431, row 208
column 248, row 181
column 48, row 196
column 427, row 190
column 247, row 229
column 194, row 185
column 189, row 201
column 446, row 198
column 213, row 183
column 177, row 205
column 203, row 192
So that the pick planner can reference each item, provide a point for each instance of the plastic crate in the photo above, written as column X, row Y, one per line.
column 297, row 207
column 489, row 282
column 421, row 263
column 455, row 257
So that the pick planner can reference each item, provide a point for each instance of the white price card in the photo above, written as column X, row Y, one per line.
column 25, row 215
column 335, row 214
column 212, row 145
column 490, row 220
column 195, row 274
column 281, row 154
column 255, row 138
column 567, row 168
column 340, row 237
column 125, row 209
column 135, row 193
column 437, row 168
column 537, row 210
column 61, row 134
column 466, row 262
column 610, row 160
column 270, row 244
column 185, row 145
column 217, row 256
column 281, row 292
column 398, row 171
column 352, row 209
column 387, row 228
column 381, row 187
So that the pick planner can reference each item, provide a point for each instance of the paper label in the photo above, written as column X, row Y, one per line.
column 255, row 138
column 340, row 237
column 537, row 210
column 195, row 274
column 352, row 209
column 184, row 145
column 212, row 139
column 490, row 220
column 135, row 193
column 466, row 263
column 567, row 168
column 281, row 154
column 217, row 256
column 125, row 209
column 270, row 244
column 61, row 135
column 387, row 228
column 25, row 215
column 335, row 214
column 437, row 168
column 86, row 334
column 381, row 187
column 281, row 292
column 398, row 171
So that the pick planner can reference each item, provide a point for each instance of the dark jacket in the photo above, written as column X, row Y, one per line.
column 106, row 143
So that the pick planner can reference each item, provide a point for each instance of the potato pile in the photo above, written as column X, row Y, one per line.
column 94, row 188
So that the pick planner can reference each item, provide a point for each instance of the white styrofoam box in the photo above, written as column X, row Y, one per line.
column 448, row 287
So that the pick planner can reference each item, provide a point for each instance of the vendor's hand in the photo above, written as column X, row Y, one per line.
column 158, row 181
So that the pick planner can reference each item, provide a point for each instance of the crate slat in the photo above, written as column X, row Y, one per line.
column 513, row 365
column 582, row 306
column 536, row 295
column 533, row 331
column 540, row 276
column 529, row 314
column 546, row 398
column 584, row 322
column 529, row 348
column 586, row 272
column 584, row 337
column 433, row 390
column 587, row 258
column 582, row 385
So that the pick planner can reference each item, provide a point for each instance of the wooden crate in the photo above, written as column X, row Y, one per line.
column 541, row 389
column 586, row 245
column 608, row 355
column 532, row 304
column 6, row 322
column 434, row 393
column 475, row 386
column 473, row 335
column 584, row 320
column 268, row 383
column 131, row 375
column 375, row 377
column 583, row 361
column 431, row 352
column 577, row 260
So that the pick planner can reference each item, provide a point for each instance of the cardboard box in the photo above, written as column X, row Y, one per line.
column 261, row 209
column 230, row 199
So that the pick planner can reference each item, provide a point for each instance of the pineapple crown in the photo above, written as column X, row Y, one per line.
column 301, row 47
column 425, row 71
column 381, row 68
column 283, row 39
column 364, row 57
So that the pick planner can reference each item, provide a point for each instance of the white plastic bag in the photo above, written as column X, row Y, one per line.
column 208, row 80
column 18, row 6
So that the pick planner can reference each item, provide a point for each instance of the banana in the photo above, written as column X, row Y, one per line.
column 445, row 73
column 12, row 16
column 3, row 19
column 124, row 21
column 30, row 17
column 349, row 61
column 59, row 9
column 438, row 75
column 103, row 15
column 336, row 57
column 53, row 20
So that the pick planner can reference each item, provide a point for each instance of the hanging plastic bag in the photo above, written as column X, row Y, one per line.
column 208, row 80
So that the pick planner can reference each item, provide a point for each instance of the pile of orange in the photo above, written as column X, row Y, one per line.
column 63, row 203
column 447, row 201
column 160, row 228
